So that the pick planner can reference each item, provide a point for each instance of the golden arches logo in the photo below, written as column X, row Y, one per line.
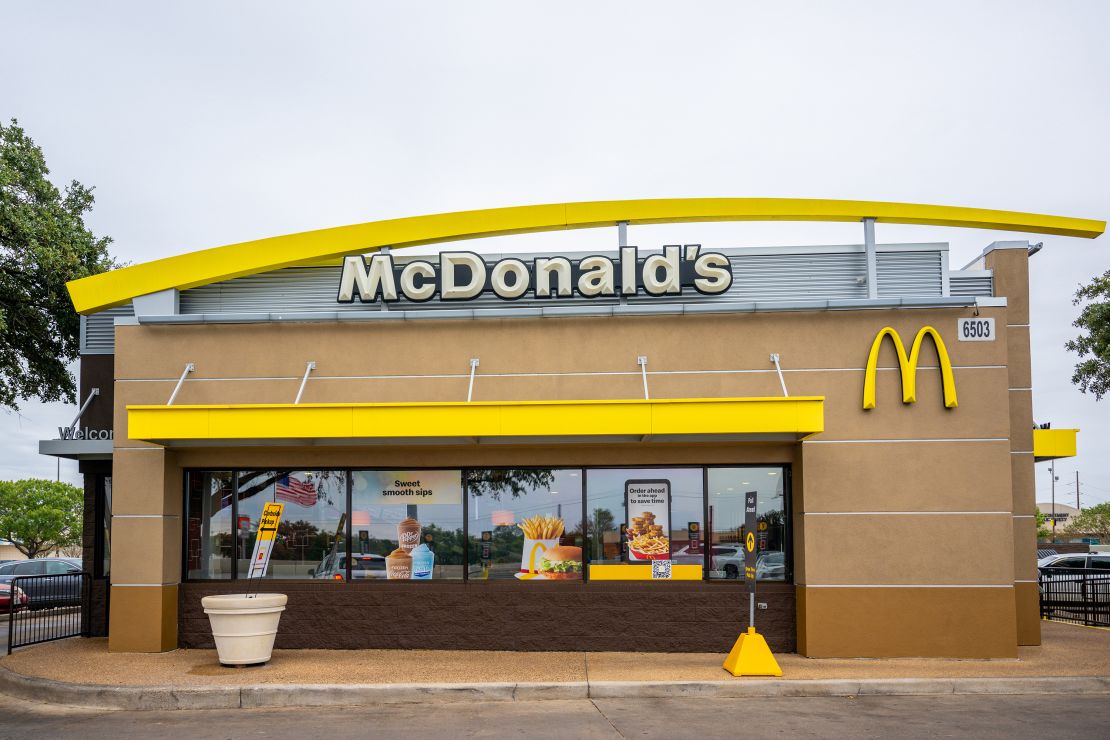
column 908, row 366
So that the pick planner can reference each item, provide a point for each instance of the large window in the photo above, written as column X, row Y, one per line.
column 527, row 524
column 208, row 532
column 637, row 515
column 727, row 489
column 311, row 527
column 102, row 540
column 407, row 524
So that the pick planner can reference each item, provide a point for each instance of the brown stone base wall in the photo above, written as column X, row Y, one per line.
column 652, row 617
column 98, row 608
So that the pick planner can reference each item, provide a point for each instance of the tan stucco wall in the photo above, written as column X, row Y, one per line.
column 1011, row 279
column 886, row 502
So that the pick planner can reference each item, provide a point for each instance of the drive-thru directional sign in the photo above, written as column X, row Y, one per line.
column 264, row 542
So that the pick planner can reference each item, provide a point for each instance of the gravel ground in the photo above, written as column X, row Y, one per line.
column 1067, row 651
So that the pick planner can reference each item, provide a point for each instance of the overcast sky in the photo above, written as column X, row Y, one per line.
column 203, row 124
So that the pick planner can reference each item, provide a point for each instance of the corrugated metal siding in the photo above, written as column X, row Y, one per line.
column 787, row 276
column 98, row 330
column 759, row 277
column 909, row 274
column 977, row 286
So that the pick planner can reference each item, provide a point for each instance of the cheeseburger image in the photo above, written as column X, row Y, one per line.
column 562, row 564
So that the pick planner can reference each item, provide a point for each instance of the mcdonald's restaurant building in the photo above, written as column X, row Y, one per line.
column 561, row 444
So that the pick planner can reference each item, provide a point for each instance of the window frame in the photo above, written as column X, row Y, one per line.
column 785, row 468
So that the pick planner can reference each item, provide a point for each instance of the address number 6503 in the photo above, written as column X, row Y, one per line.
column 975, row 330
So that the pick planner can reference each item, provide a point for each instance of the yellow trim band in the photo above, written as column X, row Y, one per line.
column 637, row 572
column 908, row 366
column 406, row 421
column 190, row 270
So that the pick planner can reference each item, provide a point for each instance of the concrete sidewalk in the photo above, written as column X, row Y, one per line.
column 83, row 672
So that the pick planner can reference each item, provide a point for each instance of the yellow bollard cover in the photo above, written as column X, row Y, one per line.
column 750, row 656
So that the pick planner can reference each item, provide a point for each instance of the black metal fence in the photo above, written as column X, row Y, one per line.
column 1077, row 595
column 45, row 608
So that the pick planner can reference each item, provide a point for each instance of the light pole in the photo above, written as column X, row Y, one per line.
column 1052, row 471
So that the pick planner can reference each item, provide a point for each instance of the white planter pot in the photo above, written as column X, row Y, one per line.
column 244, row 627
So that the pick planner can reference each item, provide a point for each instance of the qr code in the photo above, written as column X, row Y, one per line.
column 660, row 569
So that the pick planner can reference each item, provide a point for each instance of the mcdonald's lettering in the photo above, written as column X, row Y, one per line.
column 908, row 366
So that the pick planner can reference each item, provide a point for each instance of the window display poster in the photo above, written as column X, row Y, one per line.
column 648, row 507
column 388, row 487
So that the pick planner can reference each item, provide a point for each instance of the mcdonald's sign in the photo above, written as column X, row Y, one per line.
column 908, row 366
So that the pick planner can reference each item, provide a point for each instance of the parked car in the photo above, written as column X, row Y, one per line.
column 727, row 560
column 1075, row 577
column 45, row 593
column 6, row 602
column 334, row 567
column 683, row 556
column 1097, row 560
column 771, row 566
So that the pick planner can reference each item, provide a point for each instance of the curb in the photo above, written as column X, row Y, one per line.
column 322, row 695
column 766, row 688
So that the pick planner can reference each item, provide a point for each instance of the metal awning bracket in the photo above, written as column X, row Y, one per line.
column 470, row 387
column 778, row 369
column 92, row 394
column 642, row 362
column 309, row 367
column 189, row 367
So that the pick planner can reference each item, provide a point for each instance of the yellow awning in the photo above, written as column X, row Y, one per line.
column 1050, row 444
column 686, row 419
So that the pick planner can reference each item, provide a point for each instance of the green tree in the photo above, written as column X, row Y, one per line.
column 40, row 516
column 517, row 482
column 1094, row 521
column 43, row 245
column 1043, row 530
column 1092, row 373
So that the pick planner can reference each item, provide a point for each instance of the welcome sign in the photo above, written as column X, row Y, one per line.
column 463, row 276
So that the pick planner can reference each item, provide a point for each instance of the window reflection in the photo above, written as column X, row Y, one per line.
column 727, row 488
column 309, row 532
column 407, row 524
column 674, row 510
column 209, row 536
column 106, row 523
column 525, row 524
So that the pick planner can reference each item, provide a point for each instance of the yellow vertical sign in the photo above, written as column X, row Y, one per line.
column 264, row 542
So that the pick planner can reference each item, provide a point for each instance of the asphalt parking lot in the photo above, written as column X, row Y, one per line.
column 1040, row 716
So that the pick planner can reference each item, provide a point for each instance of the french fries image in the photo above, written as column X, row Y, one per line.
column 542, row 527
column 650, row 544
column 647, row 538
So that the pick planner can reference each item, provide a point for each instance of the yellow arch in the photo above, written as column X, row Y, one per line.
column 222, row 263
column 908, row 366
column 872, row 370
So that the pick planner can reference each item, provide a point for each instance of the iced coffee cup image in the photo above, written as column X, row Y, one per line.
column 408, row 534
column 541, row 533
column 398, row 565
